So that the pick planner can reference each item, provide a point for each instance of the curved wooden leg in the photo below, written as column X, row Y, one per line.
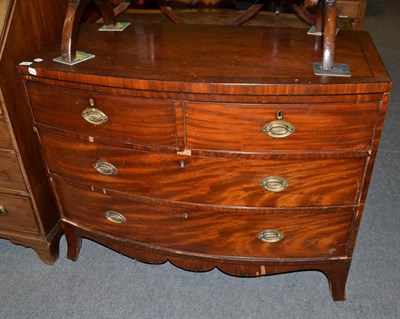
column 313, row 20
column 169, row 12
column 117, row 10
column 337, row 276
column 74, row 242
column 246, row 15
column 71, row 24
column 303, row 14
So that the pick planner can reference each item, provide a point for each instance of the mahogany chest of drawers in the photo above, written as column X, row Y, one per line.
column 226, row 151
column 28, row 213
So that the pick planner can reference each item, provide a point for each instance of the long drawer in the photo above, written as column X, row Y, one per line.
column 16, row 213
column 5, row 138
column 10, row 173
column 280, row 128
column 217, row 181
column 274, row 235
column 135, row 120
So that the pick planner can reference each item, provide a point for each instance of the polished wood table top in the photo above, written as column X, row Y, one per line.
column 203, row 58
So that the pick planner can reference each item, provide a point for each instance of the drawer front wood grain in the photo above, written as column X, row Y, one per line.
column 317, row 127
column 205, row 232
column 215, row 181
column 134, row 120
column 17, row 214
column 5, row 138
column 10, row 174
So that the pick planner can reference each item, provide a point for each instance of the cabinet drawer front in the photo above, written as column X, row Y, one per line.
column 5, row 138
column 323, row 127
column 135, row 120
column 215, row 181
column 10, row 174
column 16, row 213
column 205, row 232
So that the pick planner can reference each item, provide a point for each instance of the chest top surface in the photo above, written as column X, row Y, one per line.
column 217, row 59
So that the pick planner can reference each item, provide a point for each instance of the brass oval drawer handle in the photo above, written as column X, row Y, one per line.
column 94, row 116
column 115, row 217
column 274, row 184
column 3, row 210
column 278, row 128
column 270, row 236
column 105, row 168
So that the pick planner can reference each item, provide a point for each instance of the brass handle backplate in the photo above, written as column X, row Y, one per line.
column 115, row 217
column 270, row 236
column 278, row 128
column 274, row 184
column 94, row 116
column 105, row 168
column 2, row 210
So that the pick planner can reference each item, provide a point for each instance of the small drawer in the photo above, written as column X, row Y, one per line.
column 5, row 138
column 134, row 120
column 274, row 235
column 16, row 213
column 10, row 174
column 208, row 180
column 280, row 128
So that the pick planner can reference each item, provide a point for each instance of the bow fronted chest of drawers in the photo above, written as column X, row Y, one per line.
column 212, row 146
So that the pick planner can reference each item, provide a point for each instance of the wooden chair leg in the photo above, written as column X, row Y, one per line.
column 303, row 14
column 319, row 16
column 329, row 36
column 71, row 24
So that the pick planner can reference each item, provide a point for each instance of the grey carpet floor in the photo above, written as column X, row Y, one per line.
column 105, row 284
